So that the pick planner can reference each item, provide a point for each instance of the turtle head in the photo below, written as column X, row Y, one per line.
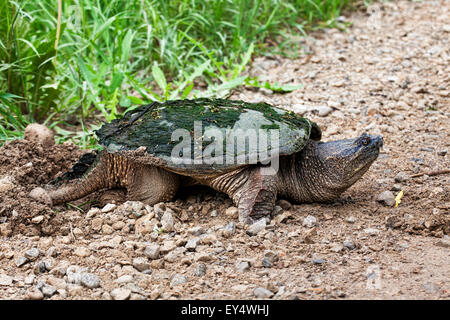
column 343, row 162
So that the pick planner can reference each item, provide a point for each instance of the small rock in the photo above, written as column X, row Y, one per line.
column 232, row 212
column 192, row 244
column 141, row 264
column 20, row 261
column 229, row 230
column 351, row 219
column 319, row 261
column 124, row 279
column 82, row 252
column 214, row 213
column 272, row 256
column 48, row 291
column 309, row 221
column 152, row 251
column 167, row 246
column 243, row 266
column 37, row 219
column 40, row 134
column 396, row 187
column 266, row 263
column 386, row 198
column 371, row 231
column 401, row 177
column 167, row 221
column 6, row 183
column 32, row 254
column 34, row 294
column 256, row 227
column 5, row 229
column 349, row 244
column 5, row 280
column 89, row 280
column 109, row 207
column 197, row 231
column 177, row 279
column 200, row 270
column 442, row 153
column 323, row 111
column 262, row 293
column 121, row 294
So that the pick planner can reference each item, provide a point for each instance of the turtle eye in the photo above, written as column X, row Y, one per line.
column 365, row 141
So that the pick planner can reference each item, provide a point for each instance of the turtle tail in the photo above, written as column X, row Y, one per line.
column 89, row 175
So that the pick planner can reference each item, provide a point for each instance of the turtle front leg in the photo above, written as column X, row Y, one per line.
column 253, row 193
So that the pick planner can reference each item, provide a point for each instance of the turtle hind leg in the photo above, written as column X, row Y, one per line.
column 151, row 185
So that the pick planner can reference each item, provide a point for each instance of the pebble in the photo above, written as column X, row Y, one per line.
column 442, row 153
column 262, row 293
column 5, row 280
column 34, row 294
column 197, row 231
column 232, row 212
column 141, row 264
column 319, row 261
column 349, row 244
column 309, row 221
column 120, row 294
column 401, row 177
column 266, row 263
column 6, row 183
column 200, row 270
column 386, row 198
column 5, row 229
column 177, row 279
column 271, row 256
column 371, row 231
column 167, row 222
column 20, row 261
column 351, row 219
column 323, row 111
column 242, row 266
column 152, row 251
column 82, row 252
column 167, row 246
column 89, row 280
column 48, row 291
column 109, row 207
column 124, row 279
column 256, row 227
column 229, row 230
column 192, row 244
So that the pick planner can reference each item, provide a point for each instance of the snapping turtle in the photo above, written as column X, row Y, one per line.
column 253, row 152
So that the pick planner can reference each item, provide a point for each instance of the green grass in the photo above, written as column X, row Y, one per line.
column 113, row 55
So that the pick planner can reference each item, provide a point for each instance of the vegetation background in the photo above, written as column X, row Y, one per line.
column 74, row 63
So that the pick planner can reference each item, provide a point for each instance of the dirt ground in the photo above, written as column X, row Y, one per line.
column 388, row 74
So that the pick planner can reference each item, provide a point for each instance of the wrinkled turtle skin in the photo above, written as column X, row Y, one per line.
column 152, row 127
column 142, row 155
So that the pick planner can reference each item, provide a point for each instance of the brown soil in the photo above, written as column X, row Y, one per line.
column 388, row 75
